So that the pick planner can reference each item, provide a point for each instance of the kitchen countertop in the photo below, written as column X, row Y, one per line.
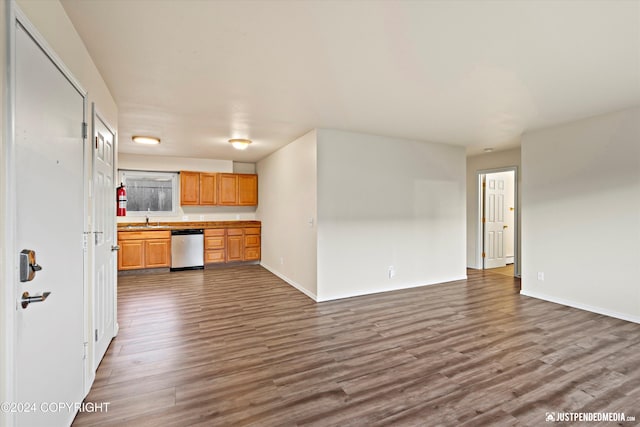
column 159, row 225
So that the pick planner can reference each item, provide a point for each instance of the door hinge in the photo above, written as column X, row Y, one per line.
column 84, row 130
column 85, row 241
column 484, row 255
column 85, row 350
column 484, row 220
column 96, row 335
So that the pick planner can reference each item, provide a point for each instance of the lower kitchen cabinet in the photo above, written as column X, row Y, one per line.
column 214, row 244
column 235, row 244
column 144, row 249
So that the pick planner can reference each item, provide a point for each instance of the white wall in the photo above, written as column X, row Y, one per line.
column 486, row 161
column 581, row 214
column 388, row 202
column 287, row 188
column 176, row 164
column 172, row 164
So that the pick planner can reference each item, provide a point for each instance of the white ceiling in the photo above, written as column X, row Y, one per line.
column 472, row 73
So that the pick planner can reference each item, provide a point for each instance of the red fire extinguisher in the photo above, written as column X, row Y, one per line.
column 121, row 200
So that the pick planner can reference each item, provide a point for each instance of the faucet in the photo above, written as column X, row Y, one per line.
column 147, row 217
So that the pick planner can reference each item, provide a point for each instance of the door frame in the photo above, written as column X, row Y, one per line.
column 8, row 271
column 480, row 226
column 95, row 116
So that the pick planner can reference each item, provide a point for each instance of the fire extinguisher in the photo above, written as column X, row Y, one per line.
column 121, row 200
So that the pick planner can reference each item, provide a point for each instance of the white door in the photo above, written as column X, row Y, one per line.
column 494, row 221
column 104, row 225
column 49, row 160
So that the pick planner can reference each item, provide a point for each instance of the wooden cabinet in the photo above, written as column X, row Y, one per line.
column 208, row 189
column 218, row 189
column 189, row 188
column 251, row 244
column 144, row 249
column 228, row 189
column 157, row 253
column 235, row 244
column 237, row 189
column 214, row 246
column 243, row 244
column 247, row 190
column 131, row 255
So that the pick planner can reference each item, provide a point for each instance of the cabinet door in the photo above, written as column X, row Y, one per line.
column 247, row 190
column 235, row 244
column 157, row 253
column 131, row 254
column 189, row 188
column 227, row 189
column 214, row 257
column 208, row 189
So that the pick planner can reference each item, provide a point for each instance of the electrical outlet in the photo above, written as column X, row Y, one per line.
column 237, row 216
column 201, row 217
column 281, row 260
column 392, row 272
column 185, row 218
column 540, row 275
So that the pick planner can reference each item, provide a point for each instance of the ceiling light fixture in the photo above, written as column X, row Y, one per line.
column 240, row 144
column 147, row 140
column 488, row 150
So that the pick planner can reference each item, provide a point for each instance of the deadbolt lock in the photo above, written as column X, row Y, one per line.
column 28, row 265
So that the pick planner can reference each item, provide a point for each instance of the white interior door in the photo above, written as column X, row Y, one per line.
column 49, row 156
column 104, row 225
column 494, row 223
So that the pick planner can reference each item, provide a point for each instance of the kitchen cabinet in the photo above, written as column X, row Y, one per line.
column 214, row 246
column 189, row 188
column 251, row 244
column 144, row 249
column 243, row 244
column 235, row 244
column 208, row 189
column 228, row 189
column 218, row 189
column 247, row 190
column 237, row 189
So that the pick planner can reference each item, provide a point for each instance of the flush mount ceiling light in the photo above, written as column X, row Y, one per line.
column 147, row 140
column 240, row 144
column 488, row 150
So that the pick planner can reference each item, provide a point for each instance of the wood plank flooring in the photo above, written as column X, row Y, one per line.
column 237, row 346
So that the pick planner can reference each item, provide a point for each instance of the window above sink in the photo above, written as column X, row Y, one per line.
column 151, row 193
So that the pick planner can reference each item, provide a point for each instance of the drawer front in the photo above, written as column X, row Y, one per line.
column 210, row 232
column 143, row 235
column 234, row 231
column 251, row 254
column 251, row 241
column 211, row 257
column 252, row 230
column 214, row 242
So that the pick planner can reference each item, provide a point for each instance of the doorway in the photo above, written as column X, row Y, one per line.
column 498, row 214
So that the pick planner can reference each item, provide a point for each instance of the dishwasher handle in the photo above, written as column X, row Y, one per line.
column 186, row 232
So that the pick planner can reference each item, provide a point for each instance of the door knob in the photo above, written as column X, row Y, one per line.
column 28, row 265
column 504, row 226
column 28, row 299
column 115, row 247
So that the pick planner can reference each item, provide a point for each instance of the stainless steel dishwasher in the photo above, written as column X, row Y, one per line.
column 187, row 249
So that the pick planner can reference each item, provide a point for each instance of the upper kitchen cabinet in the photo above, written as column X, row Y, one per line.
column 218, row 189
column 237, row 189
column 208, row 188
column 247, row 190
column 189, row 188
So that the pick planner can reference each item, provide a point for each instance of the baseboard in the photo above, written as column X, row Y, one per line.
column 580, row 306
column 391, row 289
column 290, row 282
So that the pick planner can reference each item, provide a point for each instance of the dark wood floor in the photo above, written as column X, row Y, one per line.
column 240, row 347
